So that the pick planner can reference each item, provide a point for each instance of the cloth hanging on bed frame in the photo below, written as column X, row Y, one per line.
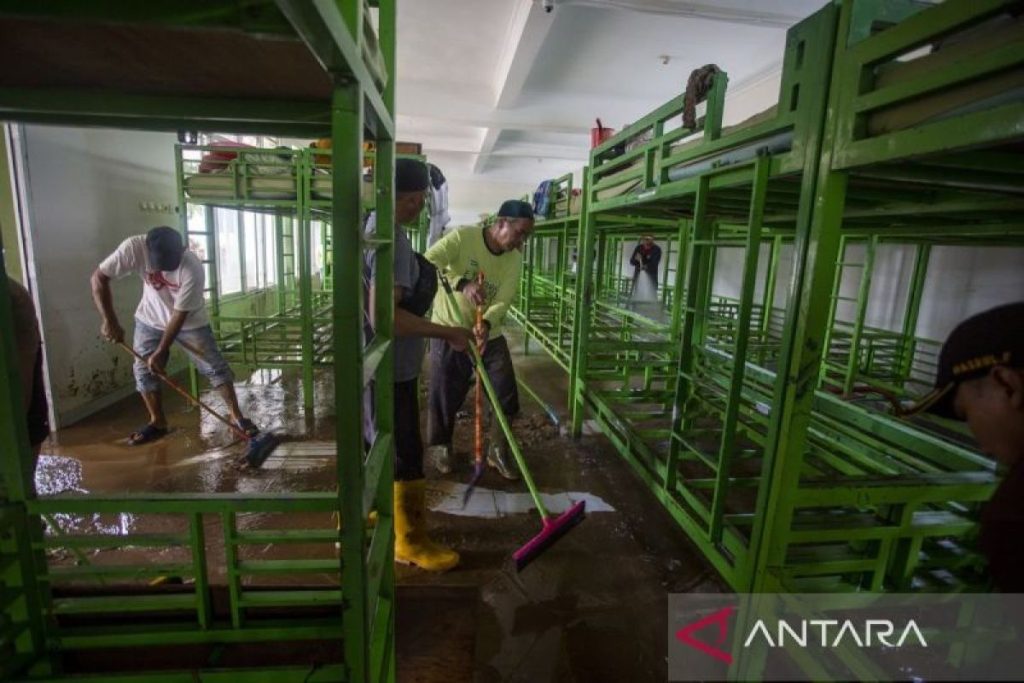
column 697, row 87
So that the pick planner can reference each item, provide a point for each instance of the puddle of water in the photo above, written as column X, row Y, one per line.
column 446, row 496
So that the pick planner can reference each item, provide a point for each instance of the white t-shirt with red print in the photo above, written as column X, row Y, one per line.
column 163, row 292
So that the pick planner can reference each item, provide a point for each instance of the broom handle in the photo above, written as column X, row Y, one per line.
column 181, row 390
column 496, row 405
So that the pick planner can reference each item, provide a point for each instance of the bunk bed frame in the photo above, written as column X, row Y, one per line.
column 319, row 74
column 547, row 293
column 720, row 204
column 924, row 150
column 288, row 325
column 782, row 486
column 545, row 298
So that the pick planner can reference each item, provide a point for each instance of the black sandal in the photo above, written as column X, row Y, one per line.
column 147, row 434
column 247, row 426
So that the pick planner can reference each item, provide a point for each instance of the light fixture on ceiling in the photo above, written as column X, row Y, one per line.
column 665, row 59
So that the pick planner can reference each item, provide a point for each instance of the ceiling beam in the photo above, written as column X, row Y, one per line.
column 697, row 10
column 527, row 32
column 580, row 155
column 502, row 123
column 487, row 142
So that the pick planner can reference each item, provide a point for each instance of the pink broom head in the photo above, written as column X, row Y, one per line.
column 554, row 529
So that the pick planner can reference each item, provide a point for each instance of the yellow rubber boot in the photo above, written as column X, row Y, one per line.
column 412, row 546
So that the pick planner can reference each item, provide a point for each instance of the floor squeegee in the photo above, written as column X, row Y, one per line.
column 552, row 528
column 258, row 447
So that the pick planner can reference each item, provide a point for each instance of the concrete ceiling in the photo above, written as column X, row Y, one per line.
column 503, row 94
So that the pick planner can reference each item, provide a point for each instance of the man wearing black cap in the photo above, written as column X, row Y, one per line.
column 415, row 285
column 462, row 256
column 172, row 309
column 981, row 380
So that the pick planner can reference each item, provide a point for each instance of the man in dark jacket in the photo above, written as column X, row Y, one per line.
column 645, row 259
column 981, row 381
column 415, row 282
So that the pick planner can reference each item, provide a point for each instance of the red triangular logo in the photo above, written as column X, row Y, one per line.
column 721, row 617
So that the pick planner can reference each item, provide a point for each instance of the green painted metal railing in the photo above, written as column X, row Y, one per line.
column 295, row 187
column 246, row 582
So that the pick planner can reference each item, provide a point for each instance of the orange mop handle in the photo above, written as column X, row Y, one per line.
column 184, row 392
column 479, row 443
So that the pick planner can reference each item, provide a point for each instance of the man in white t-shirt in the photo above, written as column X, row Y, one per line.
column 172, row 309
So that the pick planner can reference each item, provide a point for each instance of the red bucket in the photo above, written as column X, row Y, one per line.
column 600, row 134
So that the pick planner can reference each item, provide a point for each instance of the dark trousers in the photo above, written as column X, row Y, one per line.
column 451, row 377
column 38, row 413
column 408, row 443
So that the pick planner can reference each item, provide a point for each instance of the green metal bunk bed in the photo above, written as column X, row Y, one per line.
column 278, row 68
column 922, row 147
column 713, row 183
column 892, row 362
column 546, row 291
column 781, row 486
column 288, row 325
column 547, row 294
column 630, row 342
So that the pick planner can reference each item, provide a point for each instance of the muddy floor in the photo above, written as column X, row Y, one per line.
column 592, row 608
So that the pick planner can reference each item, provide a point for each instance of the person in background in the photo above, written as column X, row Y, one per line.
column 438, row 205
column 645, row 259
column 415, row 282
column 172, row 309
column 29, row 354
column 462, row 256
column 980, row 380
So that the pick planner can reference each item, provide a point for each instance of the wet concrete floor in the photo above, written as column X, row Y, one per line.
column 591, row 608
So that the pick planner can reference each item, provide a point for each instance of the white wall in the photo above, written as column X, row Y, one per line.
column 84, row 187
column 468, row 198
column 960, row 282
column 752, row 97
column 728, row 273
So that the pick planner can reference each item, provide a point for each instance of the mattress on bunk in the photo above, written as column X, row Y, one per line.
column 779, row 142
column 322, row 187
column 1000, row 88
column 222, row 186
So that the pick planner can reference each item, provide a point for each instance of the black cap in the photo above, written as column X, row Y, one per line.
column 515, row 208
column 437, row 178
column 165, row 248
column 983, row 341
column 411, row 175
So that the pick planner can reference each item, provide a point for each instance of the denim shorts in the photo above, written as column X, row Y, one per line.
column 208, row 361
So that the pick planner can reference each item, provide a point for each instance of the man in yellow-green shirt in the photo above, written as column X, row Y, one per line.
column 461, row 256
